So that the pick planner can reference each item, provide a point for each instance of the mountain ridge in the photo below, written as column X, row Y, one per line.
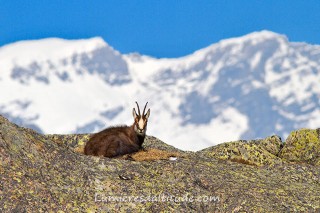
column 253, row 86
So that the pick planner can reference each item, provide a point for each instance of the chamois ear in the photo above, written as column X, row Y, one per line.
column 134, row 114
column 147, row 114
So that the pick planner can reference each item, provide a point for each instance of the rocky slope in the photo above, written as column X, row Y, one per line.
column 48, row 173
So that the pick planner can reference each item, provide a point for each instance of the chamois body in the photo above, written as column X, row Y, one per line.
column 114, row 141
column 119, row 140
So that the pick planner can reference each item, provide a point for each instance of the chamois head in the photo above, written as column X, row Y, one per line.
column 140, row 121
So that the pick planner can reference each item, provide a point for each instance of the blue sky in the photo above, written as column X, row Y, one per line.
column 159, row 28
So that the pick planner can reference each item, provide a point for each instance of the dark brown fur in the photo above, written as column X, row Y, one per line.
column 116, row 141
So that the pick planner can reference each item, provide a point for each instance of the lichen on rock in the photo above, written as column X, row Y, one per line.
column 257, row 152
column 302, row 146
column 49, row 173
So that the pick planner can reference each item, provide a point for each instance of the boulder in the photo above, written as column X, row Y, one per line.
column 302, row 146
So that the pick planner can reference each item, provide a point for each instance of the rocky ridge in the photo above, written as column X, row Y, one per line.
column 48, row 173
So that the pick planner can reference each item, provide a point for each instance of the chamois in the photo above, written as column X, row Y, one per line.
column 121, row 140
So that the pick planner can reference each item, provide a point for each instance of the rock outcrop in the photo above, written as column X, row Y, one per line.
column 49, row 173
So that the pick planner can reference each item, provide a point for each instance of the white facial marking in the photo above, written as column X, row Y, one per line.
column 141, row 123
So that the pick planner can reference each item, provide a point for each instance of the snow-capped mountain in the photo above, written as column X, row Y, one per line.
column 241, row 88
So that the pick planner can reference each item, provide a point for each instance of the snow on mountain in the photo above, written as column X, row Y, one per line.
column 241, row 88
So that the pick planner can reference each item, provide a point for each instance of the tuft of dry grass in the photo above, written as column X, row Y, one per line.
column 152, row 155
column 79, row 149
column 243, row 161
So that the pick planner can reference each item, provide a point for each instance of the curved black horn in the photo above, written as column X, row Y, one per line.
column 144, row 108
column 138, row 108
